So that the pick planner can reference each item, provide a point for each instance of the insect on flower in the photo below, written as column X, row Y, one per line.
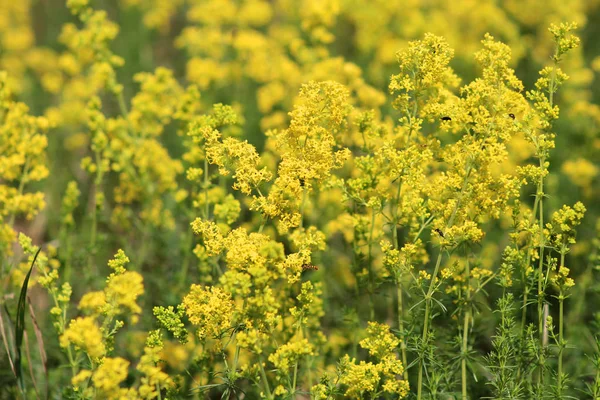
column 446, row 119
column 439, row 232
column 511, row 115
column 309, row 267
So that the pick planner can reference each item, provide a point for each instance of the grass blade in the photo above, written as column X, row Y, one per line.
column 20, row 324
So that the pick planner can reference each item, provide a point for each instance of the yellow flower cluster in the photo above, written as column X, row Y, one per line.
column 154, row 379
column 375, row 378
column 84, row 334
column 308, row 149
column 290, row 353
column 562, row 280
column 108, row 377
column 561, row 228
column 210, row 310
column 424, row 76
column 342, row 206
column 23, row 145
column 120, row 295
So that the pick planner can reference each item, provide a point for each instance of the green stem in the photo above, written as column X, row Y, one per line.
column 399, row 284
column 429, row 294
column 426, row 323
column 309, row 362
column 561, row 344
column 526, row 293
column 295, row 378
column 94, row 227
column 542, row 361
column 264, row 378
column 401, row 329
column 465, row 337
column 158, row 391
column 540, row 194
column 370, row 266
column 526, row 289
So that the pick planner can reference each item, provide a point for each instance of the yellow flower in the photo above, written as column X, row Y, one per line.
column 370, row 377
column 289, row 354
column 380, row 341
column 309, row 150
column 154, row 378
column 211, row 310
column 81, row 377
column 23, row 145
column 93, row 302
column 84, row 334
column 122, row 291
column 108, row 377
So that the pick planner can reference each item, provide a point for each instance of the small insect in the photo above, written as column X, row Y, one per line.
column 446, row 119
column 439, row 232
column 309, row 267
column 511, row 115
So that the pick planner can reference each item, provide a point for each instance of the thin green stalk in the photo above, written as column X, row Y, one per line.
column 400, row 310
column 63, row 320
column 264, row 378
column 308, row 363
column 526, row 293
column 540, row 193
column 560, row 341
column 295, row 377
column 541, row 322
column 94, row 227
column 561, row 347
column 401, row 328
column 426, row 322
column 370, row 286
column 429, row 294
column 526, row 290
column 465, row 337
column 158, row 391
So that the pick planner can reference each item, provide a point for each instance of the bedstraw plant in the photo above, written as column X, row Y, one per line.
column 282, row 215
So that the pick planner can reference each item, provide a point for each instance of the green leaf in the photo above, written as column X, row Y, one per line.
column 20, row 323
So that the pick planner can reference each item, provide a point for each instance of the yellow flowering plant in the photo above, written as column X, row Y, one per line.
column 299, row 199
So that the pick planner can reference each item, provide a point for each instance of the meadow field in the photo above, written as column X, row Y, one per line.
column 299, row 199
